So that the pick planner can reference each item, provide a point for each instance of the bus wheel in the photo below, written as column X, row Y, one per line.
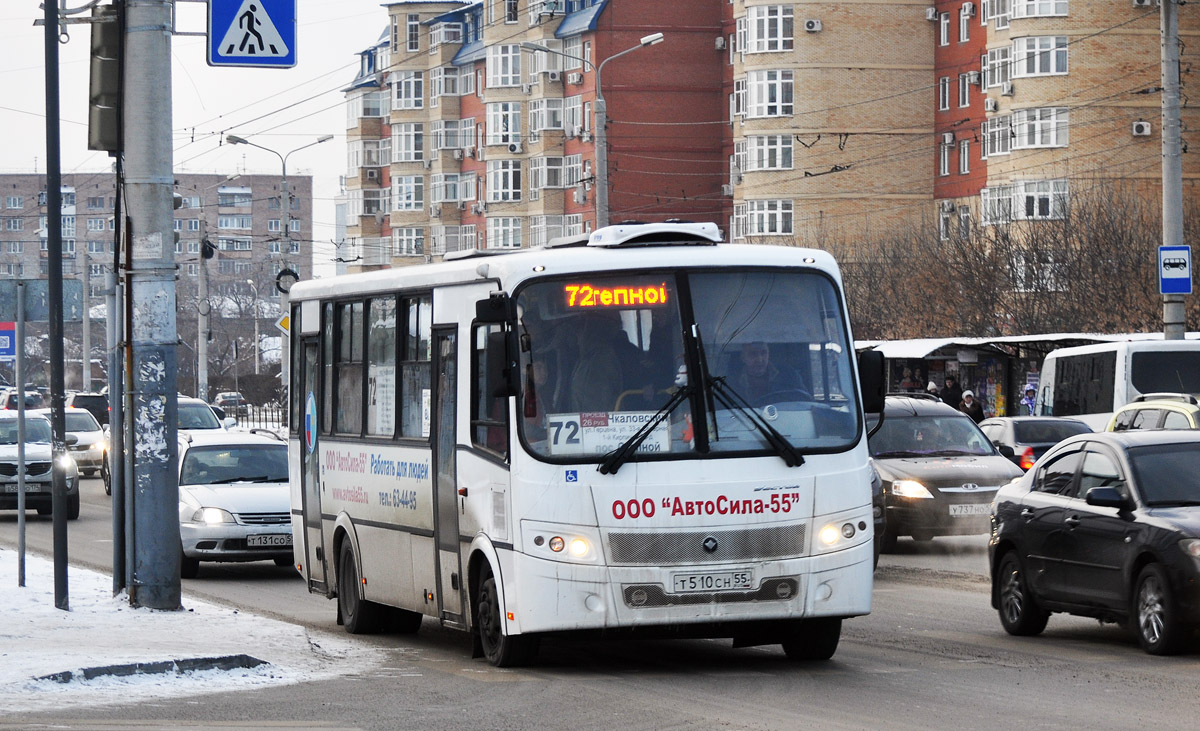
column 359, row 616
column 501, row 650
column 813, row 639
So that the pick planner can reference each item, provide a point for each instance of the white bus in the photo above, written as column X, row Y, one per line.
column 642, row 431
column 1090, row 382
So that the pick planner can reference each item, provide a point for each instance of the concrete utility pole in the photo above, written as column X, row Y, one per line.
column 154, row 580
column 87, row 322
column 1174, row 312
column 203, row 309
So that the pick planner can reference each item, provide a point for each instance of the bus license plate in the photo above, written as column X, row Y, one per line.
column 271, row 540
column 726, row 581
column 962, row 511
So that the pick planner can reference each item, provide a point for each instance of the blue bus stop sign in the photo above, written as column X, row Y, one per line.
column 8, row 341
column 255, row 33
column 1175, row 270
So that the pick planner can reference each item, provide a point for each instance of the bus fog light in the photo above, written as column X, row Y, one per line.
column 829, row 535
column 556, row 544
column 594, row 603
column 824, row 592
column 579, row 547
column 848, row 530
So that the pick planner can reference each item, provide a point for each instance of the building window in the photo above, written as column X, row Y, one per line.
column 545, row 114
column 546, row 172
column 234, row 198
column 408, row 142
column 944, row 93
column 996, row 205
column 408, row 241
column 964, row 90
column 997, row 136
column 964, row 24
column 95, row 202
column 16, row 224
column 1040, row 56
column 240, row 222
column 944, row 225
column 504, row 65
column 999, row 66
column 1038, row 8
column 234, row 243
column 413, row 32
column 770, row 28
column 769, row 218
column 964, row 222
column 739, row 97
column 770, row 93
column 408, row 192
column 504, row 232
column 510, row 11
column 1000, row 12
column 1040, row 199
column 944, row 159
column 15, row 201
column 573, row 48
column 769, row 152
column 503, row 180
column 440, row 33
column 964, row 157
column 1045, row 127
column 409, row 88
column 16, row 247
column 503, row 123
column 944, row 29
column 98, row 247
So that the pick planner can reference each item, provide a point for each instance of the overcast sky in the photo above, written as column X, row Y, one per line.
column 281, row 109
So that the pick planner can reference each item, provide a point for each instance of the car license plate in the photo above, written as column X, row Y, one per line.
column 29, row 487
column 725, row 581
column 269, row 540
column 962, row 511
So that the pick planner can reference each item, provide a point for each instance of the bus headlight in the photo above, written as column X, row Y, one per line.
column 557, row 542
column 910, row 489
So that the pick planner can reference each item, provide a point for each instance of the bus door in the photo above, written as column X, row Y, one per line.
column 445, row 478
column 310, row 474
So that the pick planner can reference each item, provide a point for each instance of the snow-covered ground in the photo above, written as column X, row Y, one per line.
column 101, row 630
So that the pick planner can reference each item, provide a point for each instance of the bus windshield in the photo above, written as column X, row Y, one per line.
column 606, row 355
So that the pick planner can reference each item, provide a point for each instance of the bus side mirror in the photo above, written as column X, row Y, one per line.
column 501, row 366
column 870, row 377
column 498, row 309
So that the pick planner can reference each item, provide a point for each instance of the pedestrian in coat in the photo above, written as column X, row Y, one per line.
column 971, row 407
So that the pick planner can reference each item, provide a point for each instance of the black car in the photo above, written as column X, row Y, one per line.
column 1106, row 525
column 97, row 403
column 1030, row 436
column 939, row 471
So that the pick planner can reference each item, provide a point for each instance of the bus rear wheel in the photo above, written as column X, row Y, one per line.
column 813, row 639
column 500, row 649
column 359, row 616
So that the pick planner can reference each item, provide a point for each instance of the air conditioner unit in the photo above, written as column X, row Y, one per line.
column 579, row 196
column 477, row 208
column 991, row 105
column 553, row 75
column 527, row 88
column 372, row 174
column 812, row 25
column 968, row 10
column 575, row 77
column 571, row 132
column 719, row 43
column 428, row 164
column 948, row 206
column 974, row 77
column 469, row 150
column 726, row 190
column 458, row 153
column 947, row 138
column 1144, row 3
column 1141, row 128
column 462, row 205
column 585, row 136
column 931, row 14
column 435, row 211
column 1006, row 89
column 514, row 148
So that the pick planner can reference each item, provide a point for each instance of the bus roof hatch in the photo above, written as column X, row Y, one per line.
column 656, row 234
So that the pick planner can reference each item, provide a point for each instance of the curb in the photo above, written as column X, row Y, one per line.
column 227, row 662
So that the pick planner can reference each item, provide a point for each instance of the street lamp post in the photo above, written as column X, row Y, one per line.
column 600, row 118
column 285, row 203
column 257, row 344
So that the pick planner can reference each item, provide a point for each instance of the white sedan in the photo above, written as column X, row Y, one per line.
column 233, row 499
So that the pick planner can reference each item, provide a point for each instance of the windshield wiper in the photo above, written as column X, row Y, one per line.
column 619, row 456
column 731, row 399
column 1172, row 503
column 258, row 478
column 899, row 453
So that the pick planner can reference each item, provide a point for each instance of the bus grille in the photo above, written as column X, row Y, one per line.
column 653, row 595
column 669, row 549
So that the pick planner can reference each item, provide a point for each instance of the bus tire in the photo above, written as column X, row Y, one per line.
column 813, row 639
column 500, row 649
column 359, row 616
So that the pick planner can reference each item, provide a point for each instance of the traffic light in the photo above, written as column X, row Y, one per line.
column 104, row 90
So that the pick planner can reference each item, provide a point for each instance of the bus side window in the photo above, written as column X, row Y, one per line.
column 489, row 414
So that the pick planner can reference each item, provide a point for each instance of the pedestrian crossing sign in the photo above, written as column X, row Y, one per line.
column 256, row 33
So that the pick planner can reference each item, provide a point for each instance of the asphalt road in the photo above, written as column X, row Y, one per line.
column 931, row 655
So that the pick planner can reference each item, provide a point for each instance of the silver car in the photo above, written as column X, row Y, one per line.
column 91, row 443
column 233, row 499
column 40, row 465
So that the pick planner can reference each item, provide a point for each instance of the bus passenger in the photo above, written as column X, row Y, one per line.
column 759, row 377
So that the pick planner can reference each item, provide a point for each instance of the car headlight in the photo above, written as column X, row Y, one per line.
column 212, row 516
column 1191, row 546
column 910, row 489
column 65, row 463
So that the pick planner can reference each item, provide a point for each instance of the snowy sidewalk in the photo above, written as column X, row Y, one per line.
column 103, row 631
